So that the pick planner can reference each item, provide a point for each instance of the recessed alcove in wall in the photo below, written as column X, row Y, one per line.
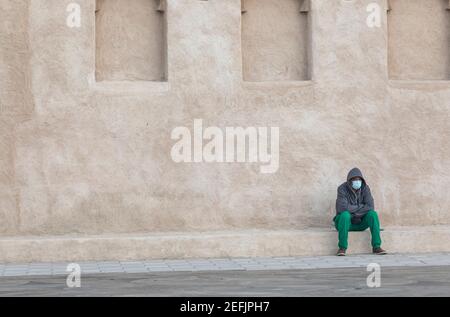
column 275, row 40
column 130, row 40
column 419, row 39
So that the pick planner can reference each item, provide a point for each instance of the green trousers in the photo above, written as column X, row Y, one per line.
column 344, row 224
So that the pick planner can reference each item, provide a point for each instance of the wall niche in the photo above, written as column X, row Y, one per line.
column 130, row 40
column 419, row 39
column 275, row 40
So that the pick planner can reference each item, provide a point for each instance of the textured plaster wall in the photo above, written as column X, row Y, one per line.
column 419, row 39
column 15, row 102
column 84, row 157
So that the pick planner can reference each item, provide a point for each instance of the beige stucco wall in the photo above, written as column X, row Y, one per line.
column 84, row 157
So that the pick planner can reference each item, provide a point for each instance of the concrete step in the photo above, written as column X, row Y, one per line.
column 216, row 244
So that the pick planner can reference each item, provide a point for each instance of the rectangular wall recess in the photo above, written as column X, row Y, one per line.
column 130, row 40
column 275, row 40
column 419, row 39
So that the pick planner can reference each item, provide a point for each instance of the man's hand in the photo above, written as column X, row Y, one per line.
column 353, row 208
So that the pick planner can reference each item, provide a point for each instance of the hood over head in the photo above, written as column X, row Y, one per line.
column 355, row 172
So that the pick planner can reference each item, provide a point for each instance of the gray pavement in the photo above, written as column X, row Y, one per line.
column 395, row 281
column 401, row 275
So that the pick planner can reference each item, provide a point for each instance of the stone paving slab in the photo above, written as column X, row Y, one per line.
column 229, row 264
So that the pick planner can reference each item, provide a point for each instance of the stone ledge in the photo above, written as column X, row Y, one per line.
column 421, row 85
column 130, row 88
column 242, row 243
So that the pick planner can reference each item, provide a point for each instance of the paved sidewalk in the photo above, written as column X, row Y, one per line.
column 347, row 282
column 235, row 264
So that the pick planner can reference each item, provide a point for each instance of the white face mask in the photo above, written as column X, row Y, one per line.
column 356, row 184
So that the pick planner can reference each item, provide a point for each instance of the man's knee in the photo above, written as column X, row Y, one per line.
column 345, row 216
column 372, row 214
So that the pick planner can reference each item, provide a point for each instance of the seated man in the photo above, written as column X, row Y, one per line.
column 355, row 212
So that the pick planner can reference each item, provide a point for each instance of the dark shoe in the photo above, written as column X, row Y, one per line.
column 341, row 252
column 379, row 251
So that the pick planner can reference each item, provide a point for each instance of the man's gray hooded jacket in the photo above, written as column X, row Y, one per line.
column 359, row 202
